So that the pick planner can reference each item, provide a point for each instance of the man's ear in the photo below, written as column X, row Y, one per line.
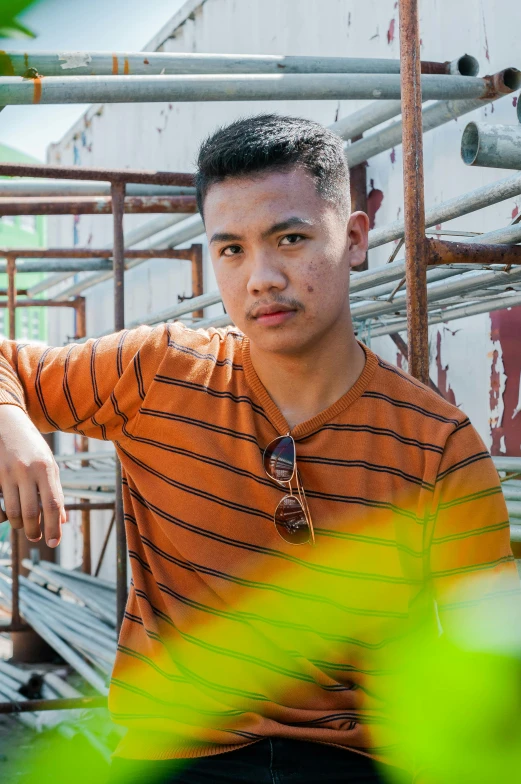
column 358, row 238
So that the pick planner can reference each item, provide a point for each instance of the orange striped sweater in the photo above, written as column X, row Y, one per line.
column 230, row 634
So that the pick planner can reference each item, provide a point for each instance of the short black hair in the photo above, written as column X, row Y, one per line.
column 270, row 142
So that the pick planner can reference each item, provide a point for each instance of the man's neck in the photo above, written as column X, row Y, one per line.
column 304, row 385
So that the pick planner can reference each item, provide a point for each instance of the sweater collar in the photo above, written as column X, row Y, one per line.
column 305, row 428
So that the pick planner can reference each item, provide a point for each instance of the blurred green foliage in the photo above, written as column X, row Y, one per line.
column 10, row 25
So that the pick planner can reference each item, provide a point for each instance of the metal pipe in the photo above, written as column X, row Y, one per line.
column 93, row 507
column 82, row 188
column 94, row 253
column 498, row 146
column 498, row 302
column 470, row 281
column 197, row 276
column 358, row 198
column 24, row 706
column 416, row 256
column 94, row 205
column 118, row 198
column 365, row 118
column 440, row 290
column 15, row 90
column 503, row 83
column 464, row 204
column 15, row 533
column 157, row 63
column 39, row 303
column 442, row 252
column 94, row 174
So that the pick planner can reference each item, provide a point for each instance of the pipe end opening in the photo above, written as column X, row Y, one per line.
column 470, row 144
column 512, row 78
column 468, row 65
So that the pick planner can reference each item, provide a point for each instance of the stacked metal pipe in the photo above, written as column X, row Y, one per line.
column 76, row 618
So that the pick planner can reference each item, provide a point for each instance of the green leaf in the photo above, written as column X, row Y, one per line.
column 10, row 26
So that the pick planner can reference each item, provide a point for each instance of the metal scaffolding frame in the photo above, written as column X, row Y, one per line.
column 437, row 280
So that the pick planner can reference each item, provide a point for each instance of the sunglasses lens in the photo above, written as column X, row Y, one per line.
column 291, row 521
column 279, row 459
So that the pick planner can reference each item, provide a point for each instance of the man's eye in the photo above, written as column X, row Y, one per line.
column 231, row 250
column 291, row 239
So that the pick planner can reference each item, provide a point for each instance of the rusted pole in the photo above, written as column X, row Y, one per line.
column 414, row 207
column 118, row 199
column 96, row 174
column 358, row 189
column 96, row 253
column 197, row 275
column 94, row 205
column 39, row 303
column 443, row 252
column 15, row 534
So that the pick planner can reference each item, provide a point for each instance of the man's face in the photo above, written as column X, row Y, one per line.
column 282, row 256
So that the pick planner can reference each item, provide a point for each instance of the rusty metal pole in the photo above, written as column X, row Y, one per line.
column 118, row 209
column 197, row 275
column 358, row 189
column 416, row 253
column 15, row 534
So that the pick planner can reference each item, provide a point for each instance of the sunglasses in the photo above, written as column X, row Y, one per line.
column 292, row 517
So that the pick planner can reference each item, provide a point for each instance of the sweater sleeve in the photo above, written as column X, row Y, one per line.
column 470, row 563
column 93, row 388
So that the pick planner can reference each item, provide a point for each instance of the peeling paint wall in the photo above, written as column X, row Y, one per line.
column 476, row 362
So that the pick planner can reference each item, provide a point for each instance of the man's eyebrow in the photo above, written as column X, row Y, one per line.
column 290, row 223
column 225, row 237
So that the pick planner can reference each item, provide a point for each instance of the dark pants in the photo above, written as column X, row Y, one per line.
column 269, row 761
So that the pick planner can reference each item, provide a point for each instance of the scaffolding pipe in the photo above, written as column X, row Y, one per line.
column 15, row 533
column 471, row 281
column 94, row 205
column 505, row 82
column 15, row 90
column 416, row 256
column 477, row 199
column 118, row 199
column 25, row 187
column 92, row 253
column 95, row 174
column 498, row 302
column 365, row 118
column 157, row 63
column 497, row 146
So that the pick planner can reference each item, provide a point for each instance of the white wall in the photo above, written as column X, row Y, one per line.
column 167, row 136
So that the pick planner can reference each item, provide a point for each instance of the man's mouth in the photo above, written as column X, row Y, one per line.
column 273, row 315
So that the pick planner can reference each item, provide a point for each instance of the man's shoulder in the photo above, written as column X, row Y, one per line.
column 205, row 348
column 393, row 383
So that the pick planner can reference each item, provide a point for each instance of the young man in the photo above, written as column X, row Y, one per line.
column 290, row 498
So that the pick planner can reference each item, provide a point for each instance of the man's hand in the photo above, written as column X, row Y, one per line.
column 29, row 476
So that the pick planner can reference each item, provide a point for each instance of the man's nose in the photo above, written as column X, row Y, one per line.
column 265, row 275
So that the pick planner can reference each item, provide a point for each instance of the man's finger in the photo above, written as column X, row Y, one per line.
column 13, row 509
column 52, row 507
column 30, row 504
